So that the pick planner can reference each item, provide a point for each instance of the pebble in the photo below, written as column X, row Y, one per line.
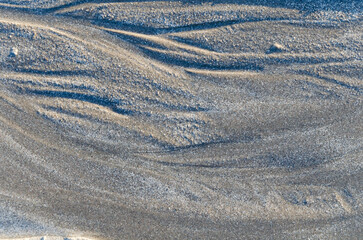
column 13, row 52
column 276, row 48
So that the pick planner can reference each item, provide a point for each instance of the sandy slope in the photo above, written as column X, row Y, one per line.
column 180, row 119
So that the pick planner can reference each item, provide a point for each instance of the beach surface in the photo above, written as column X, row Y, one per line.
column 181, row 119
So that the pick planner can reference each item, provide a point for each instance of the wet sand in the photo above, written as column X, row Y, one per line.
column 180, row 119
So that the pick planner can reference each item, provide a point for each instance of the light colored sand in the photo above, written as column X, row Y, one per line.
column 180, row 120
column 47, row 238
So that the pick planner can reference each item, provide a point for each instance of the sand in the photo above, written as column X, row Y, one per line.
column 180, row 119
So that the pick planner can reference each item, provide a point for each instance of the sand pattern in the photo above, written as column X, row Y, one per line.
column 180, row 119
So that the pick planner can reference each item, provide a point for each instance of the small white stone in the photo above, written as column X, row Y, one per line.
column 276, row 47
column 14, row 52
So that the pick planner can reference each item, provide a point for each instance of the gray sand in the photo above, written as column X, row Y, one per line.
column 181, row 119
